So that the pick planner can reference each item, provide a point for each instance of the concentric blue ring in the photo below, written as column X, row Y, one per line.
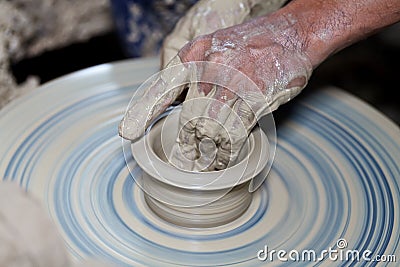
column 335, row 175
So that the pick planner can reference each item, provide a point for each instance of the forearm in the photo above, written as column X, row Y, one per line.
column 327, row 26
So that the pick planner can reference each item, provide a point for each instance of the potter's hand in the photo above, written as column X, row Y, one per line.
column 277, row 52
column 247, row 70
column 28, row 237
column 263, row 49
column 207, row 16
column 262, row 66
column 204, row 17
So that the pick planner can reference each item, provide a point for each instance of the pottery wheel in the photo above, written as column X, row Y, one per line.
column 336, row 176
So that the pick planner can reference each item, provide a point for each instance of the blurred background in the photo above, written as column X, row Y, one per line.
column 41, row 40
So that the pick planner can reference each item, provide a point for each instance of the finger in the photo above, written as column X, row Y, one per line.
column 215, row 113
column 200, row 122
column 204, row 114
column 245, row 113
column 202, row 119
column 237, row 127
column 222, row 99
column 162, row 90
column 185, row 151
column 210, row 124
column 220, row 112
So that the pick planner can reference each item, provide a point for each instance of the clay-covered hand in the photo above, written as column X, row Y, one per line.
column 276, row 53
column 27, row 235
column 271, row 69
column 207, row 16
column 246, row 71
column 204, row 17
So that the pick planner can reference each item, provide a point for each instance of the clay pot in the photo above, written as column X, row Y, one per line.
column 196, row 199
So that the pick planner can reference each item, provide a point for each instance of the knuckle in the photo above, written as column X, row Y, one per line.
column 195, row 49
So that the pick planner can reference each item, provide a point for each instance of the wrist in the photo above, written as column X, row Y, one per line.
column 325, row 27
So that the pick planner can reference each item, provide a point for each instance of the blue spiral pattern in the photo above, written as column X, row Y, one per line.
column 335, row 175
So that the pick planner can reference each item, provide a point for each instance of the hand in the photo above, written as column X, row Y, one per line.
column 267, row 50
column 204, row 17
column 28, row 237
